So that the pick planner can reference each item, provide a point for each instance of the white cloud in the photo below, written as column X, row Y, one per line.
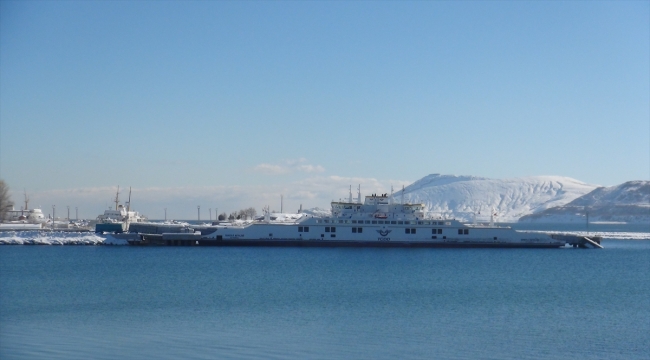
column 271, row 169
column 289, row 166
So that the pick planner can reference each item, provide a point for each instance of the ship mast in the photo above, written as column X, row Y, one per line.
column 359, row 194
column 26, row 202
column 117, row 197
column 128, row 207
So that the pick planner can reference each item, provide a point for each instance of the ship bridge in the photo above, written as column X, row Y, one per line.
column 378, row 206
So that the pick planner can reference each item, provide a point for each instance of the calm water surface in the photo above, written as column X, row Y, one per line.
column 101, row 302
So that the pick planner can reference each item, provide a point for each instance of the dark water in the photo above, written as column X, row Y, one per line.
column 100, row 302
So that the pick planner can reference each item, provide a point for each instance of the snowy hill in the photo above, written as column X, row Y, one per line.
column 461, row 196
column 628, row 202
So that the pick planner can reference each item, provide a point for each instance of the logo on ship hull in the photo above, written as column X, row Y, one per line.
column 384, row 232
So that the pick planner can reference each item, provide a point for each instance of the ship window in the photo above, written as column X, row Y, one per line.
column 420, row 222
column 326, row 221
column 340, row 221
column 439, row 231
column 447, row 223
column 434, row 237
column 393, row 222
column 460, row 231
column 400, row 222
column 495, row 238
column 360, row 230
column 374, row 221
column 333, row 235
column 354, row 221
column 412, row 231
column 354, row 230
column 333, row 229
column 380, row 222
column 299, row 228
column 408, row 231
column 327, row 229
column 466, row 231
column 306, row 228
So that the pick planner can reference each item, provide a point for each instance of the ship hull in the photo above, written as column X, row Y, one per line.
column 378, row 244
column 153, row 240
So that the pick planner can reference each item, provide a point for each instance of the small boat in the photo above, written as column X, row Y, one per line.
column 118, row 220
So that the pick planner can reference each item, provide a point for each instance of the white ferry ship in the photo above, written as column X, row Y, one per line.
column 378, row 222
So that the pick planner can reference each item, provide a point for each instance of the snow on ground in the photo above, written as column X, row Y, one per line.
column 49, row 238
column 603, row 234
column 318, row 212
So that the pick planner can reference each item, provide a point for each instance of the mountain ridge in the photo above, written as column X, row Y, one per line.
column 627, row 202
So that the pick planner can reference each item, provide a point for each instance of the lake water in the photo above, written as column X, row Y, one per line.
column 102, row 302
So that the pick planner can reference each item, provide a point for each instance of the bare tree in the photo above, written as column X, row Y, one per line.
column 5, row 202
column 222, row 216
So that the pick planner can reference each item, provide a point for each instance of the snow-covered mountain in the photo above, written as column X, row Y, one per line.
column 461, row 196
column 628, row 202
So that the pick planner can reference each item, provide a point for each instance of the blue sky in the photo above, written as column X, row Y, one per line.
column 232, row 103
